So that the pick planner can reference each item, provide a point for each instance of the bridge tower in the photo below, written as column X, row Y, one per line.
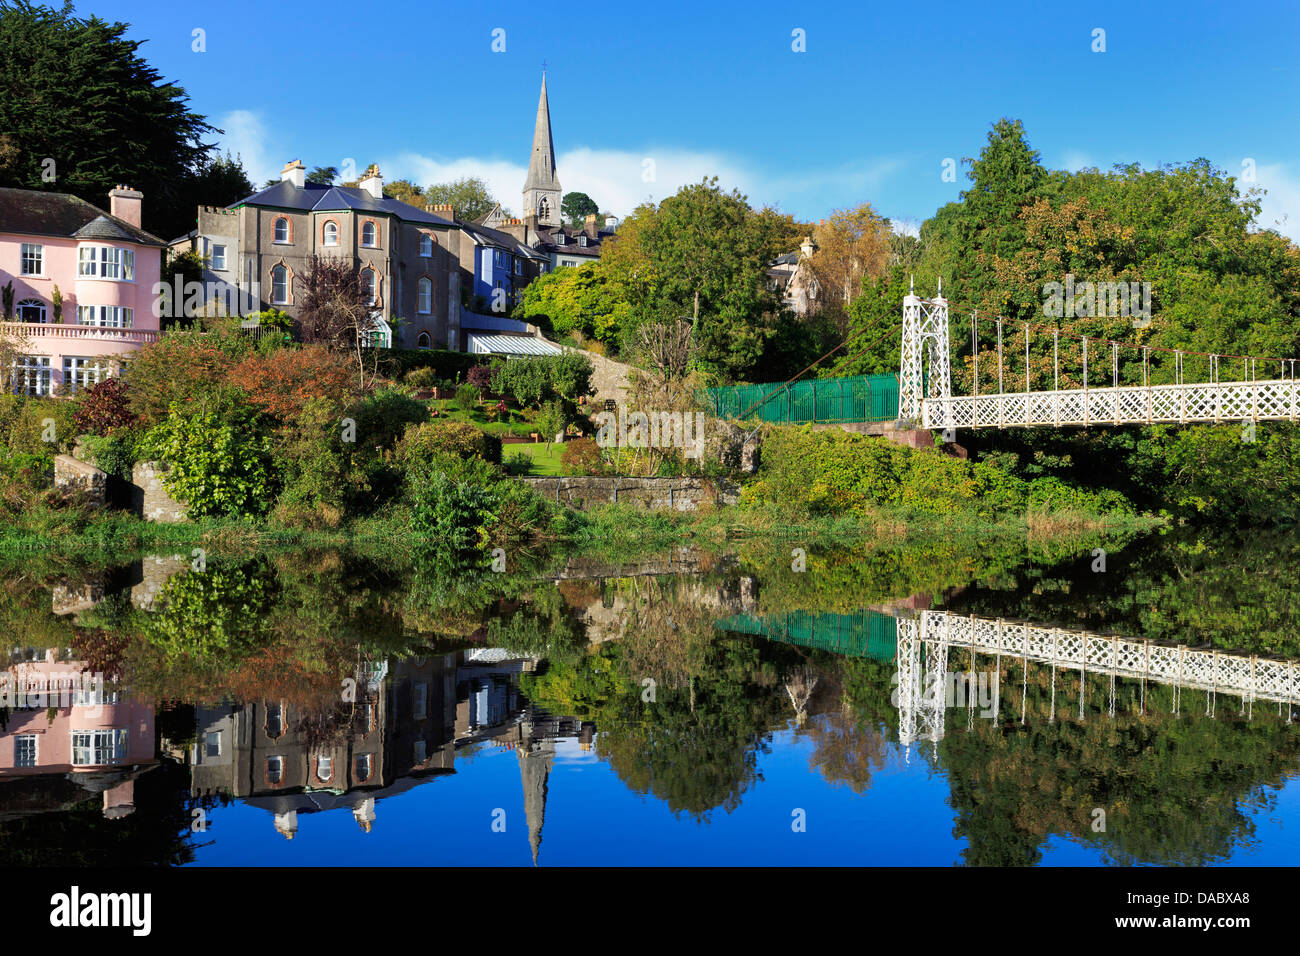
column 925, row 349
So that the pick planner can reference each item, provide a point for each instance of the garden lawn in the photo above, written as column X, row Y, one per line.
column 543, row 463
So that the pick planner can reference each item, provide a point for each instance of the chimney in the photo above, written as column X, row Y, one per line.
column 295, row 172
column 807, row 247
column 442, row 209
column 124, row 203
column 589, row 226
column 373, row 183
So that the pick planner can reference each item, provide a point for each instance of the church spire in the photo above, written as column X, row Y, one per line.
column 542, row 189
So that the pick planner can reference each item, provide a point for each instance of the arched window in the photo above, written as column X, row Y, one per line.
column 368, row 234
column 274, row 769
column 424, row 295
column 31, row 310
column 282, row 230
column 543, row 210
column 330, row 235
column 365, row 764
column 324, row 768
column 280, row 284
column 274, row 720
column 424, row 342
column 368, row 285
column 426, row 244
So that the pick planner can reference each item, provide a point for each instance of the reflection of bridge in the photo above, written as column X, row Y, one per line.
column 924, row 642
column 920, row 644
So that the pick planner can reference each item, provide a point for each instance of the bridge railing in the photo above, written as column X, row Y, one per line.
column 1269, row 399
column 857, row 398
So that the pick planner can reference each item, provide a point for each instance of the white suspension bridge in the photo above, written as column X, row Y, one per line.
column 925, row 386
column 926, row 639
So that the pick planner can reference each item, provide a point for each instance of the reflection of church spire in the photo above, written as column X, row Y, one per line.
column 364, row 813
column 534, row 767
column 287, row 823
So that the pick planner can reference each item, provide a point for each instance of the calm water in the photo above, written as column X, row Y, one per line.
column 322, row 708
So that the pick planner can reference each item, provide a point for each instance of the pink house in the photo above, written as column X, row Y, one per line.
column 101, row 265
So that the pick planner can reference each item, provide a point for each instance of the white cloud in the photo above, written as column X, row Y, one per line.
column 246, row 137
column 1280, row 205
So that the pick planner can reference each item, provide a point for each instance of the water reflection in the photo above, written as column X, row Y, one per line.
column 325, row 684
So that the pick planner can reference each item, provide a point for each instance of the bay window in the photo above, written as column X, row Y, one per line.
column 106, row 316
column 92, row 748
column 106, row 262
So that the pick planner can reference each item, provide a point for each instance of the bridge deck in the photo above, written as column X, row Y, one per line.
column 1269, row 399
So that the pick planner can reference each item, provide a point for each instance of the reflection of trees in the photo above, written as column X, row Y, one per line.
column 847, row 750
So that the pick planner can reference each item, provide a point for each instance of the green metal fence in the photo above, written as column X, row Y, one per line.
column 856, row 398
column 862, row 634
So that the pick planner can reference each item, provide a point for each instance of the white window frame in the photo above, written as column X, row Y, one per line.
column 26, row 742
column 219, row 256
column 278, row 775
column 329, row 234
column 83, row 371
column 369, row 764
column 283, row 298
column 275, row 231
column 374, row 235
column 106, row 316
column 426, row 245
column 97, row 748
column 32, row 375
column 31, row 253
column 114, row 263
column 207, row 743
column 371, row 286
column 28, row 303
column 328, row 764
column 424, row 295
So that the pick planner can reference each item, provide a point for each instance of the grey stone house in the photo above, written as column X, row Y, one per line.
column 258, row 250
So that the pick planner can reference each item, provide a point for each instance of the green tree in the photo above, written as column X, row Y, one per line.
column 469, row 197
column 75, row 91
column 323, row 175
column 703, row 254
column 576, row 207
column 575, row 299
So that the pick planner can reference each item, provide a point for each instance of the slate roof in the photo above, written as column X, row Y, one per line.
column 485, row 236
column 34, row 212
column 321, row 197
column 571, row 246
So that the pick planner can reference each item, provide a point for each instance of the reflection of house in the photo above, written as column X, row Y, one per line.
column 791, row 275
column 63, row 724
column 278, row 757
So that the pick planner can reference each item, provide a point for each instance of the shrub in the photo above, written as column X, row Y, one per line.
column 570, row 375
column 524, row 380
column 35, row 426
column 384, row 415
column 582, row 456
column 103, row 408
column 114, row 454
column 321, row 475
column 466, row 397
column 442, row 437
column 480, row 376
column 180, row 368
column 282, row 382
column 517, row 463
column 423, row 378
column 219, row 457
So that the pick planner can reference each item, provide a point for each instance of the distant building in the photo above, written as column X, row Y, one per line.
column 792, row 277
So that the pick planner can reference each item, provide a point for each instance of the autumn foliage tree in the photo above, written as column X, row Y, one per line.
column 282, row 382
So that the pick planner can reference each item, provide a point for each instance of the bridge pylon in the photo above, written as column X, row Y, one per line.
column 925, row 349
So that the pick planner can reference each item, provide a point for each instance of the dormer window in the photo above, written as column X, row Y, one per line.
column 368, row 234
column 282, row 230
column 559, row 238
column 582, row 240
column 330, row 234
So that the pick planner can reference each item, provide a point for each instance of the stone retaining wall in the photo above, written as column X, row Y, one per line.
column 677, row 494
column 73, row 475
column 150, row 498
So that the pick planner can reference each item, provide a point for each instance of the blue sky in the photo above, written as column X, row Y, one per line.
column 882, row 95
